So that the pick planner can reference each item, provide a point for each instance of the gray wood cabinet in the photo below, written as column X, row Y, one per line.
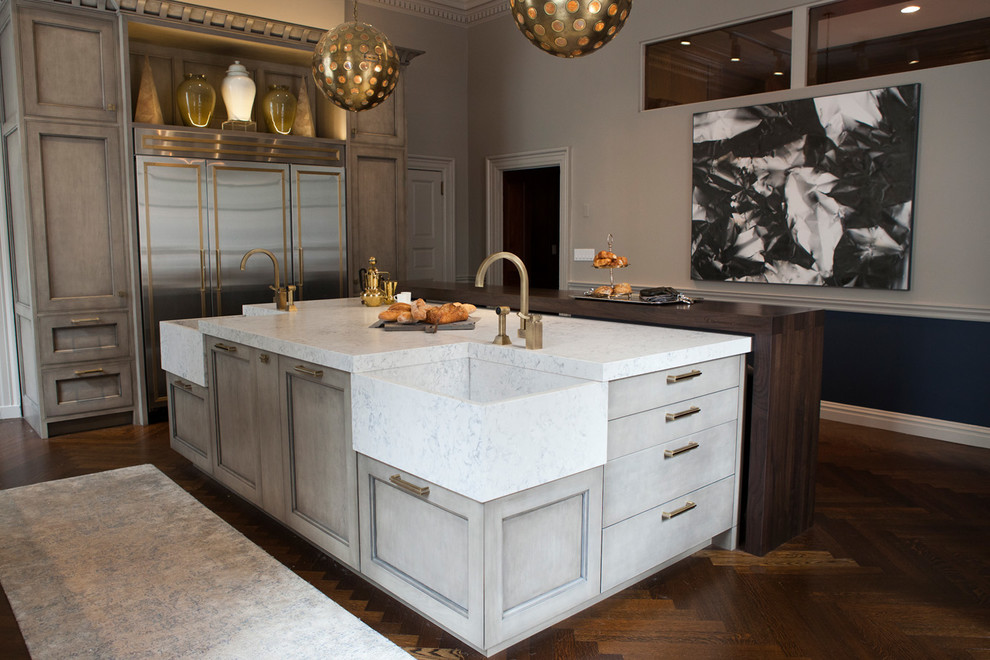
column 63, row 170
column 246, row 440
column 320, row 468
column 189, row 422
column 489, row 573
column 80, row 252
column 70, row 64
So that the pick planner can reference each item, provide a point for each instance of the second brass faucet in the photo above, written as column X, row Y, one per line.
column 283, row 296
column 530, row 325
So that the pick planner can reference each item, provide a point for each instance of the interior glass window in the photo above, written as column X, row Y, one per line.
column 742, row 59
column 860, row 38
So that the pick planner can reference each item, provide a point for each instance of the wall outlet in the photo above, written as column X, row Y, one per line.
column 584, row 254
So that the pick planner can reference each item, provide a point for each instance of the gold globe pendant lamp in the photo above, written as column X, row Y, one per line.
column 355, row 65
column 570, row 28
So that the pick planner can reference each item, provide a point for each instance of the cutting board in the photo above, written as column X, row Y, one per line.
column 420, row 326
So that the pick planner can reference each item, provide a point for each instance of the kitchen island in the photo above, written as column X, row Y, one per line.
column 495, row 490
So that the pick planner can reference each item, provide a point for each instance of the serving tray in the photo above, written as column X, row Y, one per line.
column 420, row 326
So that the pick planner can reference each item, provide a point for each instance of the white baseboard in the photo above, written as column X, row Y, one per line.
column 925, row 427
column 10, row 412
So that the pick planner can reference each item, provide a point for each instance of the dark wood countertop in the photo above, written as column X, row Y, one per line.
column 784, row 390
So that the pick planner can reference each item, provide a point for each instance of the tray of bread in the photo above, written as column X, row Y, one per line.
column 426, row 318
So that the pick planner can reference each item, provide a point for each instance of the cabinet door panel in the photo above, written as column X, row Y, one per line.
column 320, row 466
column 236, row 463
column 80, row 251
column 189, row 422
column 376, row 221
column 384, row 124
column 70, row 65
column 542, row 553
column 426, row 549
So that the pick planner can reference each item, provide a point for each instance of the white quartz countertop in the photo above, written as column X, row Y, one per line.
column 337, row 334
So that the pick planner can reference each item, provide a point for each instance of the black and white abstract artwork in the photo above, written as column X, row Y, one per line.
column 816, row 191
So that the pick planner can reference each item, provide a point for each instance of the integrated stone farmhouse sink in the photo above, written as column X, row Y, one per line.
column 479, row 428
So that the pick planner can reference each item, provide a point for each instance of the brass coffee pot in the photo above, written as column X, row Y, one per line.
column 371, row 280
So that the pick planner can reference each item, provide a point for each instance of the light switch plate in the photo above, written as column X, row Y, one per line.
column 584, row 254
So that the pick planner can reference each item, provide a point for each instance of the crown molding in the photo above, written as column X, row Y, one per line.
column 456, row 12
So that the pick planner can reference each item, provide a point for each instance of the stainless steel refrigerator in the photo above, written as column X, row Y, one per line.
column 198, row 216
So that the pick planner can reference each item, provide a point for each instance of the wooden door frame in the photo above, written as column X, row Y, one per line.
column 495, row 166
column 446, row 167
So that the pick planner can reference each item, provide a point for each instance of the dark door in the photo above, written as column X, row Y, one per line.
column 531, row 225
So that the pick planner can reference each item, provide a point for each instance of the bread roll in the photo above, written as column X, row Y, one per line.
column 418, row 309
column 389, row 314
column 405, row 318
column 622, row 287
column 604, row 290
column 449, row 313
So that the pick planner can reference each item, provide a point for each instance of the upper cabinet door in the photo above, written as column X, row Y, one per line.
column 70, row 65
column 384, row 124
column 77, row 216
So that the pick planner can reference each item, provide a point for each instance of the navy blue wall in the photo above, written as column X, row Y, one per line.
column 917, row 366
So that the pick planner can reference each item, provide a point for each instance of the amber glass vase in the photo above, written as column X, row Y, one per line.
column 196, row 99
column 279, row 107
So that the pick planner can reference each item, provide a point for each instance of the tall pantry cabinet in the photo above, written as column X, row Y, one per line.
column 63, row 169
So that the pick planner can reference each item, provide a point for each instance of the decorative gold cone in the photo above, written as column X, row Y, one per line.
column 303, row 123
column 149, row 109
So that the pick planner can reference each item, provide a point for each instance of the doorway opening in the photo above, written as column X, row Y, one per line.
column 530, row 225
column 520, row 185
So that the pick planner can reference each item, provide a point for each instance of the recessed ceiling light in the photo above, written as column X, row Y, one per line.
column 910, row 9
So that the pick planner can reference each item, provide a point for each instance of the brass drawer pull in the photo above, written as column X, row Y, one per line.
column 88, row 372
column 667, row 515
column 422, row 491
column 693, row 410
column 95, row 319
column 186, row 386
column 224, row 347
column 315, row 373
column 670, row 453
column 679, row 377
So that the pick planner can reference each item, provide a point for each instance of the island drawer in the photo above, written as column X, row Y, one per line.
column 85, row 388
column 83, row 336
column 675, row 420
column 643, row 542
column 645, row 479
column 638, row 393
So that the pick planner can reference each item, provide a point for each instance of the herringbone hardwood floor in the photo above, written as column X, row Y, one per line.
column 896, row 566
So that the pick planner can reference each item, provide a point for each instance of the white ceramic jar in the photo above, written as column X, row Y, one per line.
column 238, row 92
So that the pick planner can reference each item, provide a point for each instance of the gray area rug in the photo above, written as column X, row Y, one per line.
column 126, row 564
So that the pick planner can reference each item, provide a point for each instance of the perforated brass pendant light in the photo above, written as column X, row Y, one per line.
column 570, row 28
column 355, row 65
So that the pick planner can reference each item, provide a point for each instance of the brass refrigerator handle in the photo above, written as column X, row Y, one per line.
column 667, row 515
column 670, row 453
column 680, row 377
column 422, row 491
column 693, row 410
